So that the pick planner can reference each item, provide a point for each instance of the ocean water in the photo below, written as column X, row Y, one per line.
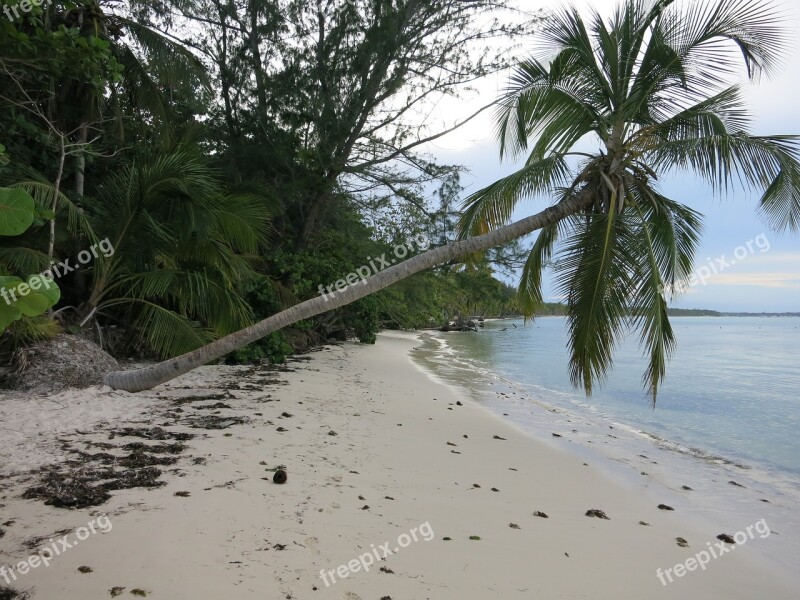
column 729, row 411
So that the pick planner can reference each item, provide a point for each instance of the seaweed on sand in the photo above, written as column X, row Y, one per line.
column 146, row 477
column 214, row 422
column 66, row 491
column 176, row 448
column 11, row 594
column 152, row 433
column 86, row 487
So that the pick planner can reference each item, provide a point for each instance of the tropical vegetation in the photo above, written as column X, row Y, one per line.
column 239, row 154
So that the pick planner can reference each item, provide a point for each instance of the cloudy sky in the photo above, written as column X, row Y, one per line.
column 762, row 267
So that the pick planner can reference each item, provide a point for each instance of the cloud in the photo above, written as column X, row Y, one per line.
column 782, row 280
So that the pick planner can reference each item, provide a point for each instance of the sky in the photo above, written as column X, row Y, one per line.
column 750, row 267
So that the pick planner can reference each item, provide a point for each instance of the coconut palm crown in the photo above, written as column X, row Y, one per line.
column 652, row 87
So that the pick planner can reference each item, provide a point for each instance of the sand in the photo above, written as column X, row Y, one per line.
column 376, row 451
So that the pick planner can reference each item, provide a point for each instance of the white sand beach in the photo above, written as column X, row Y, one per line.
column 376, row 451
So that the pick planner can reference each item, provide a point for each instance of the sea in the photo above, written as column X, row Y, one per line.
column 726, row 423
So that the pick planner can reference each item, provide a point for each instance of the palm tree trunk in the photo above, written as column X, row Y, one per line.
column 149, row 377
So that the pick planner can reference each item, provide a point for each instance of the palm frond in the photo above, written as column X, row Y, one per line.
column 493, row 206
column 769, row 163
column 663, row 244
column 592, row 274
column 165, row 332
column 173, row 63
column 529, row 290
column 23, row 261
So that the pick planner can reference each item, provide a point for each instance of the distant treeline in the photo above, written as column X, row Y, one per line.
column 551, row 309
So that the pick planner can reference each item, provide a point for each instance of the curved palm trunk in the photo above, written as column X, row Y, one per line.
column 149, row 377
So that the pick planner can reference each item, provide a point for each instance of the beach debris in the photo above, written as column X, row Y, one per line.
column 511, row 469
column 286, row 415
column 175, row 448
column 150, row 433
column 386, row 598
column 566, row 554
column 11, row 594
column 454, row 452
column 682, row 542
column 183, row 494
column 138, row 592
column 85, row 570
column 386, row 570
column 451, row 444
column 217, row 406
column 332, row 433
column 686, row 488
column 466, row 437
column 64, row 491
column 540, row 514
column 475, row 538
column 361, row 498
column 475, row 485
column 593, row 512
column 645, row 523
column 388, row 498
column 643, row 473
column 459, row 403
column 215, row 422
column 280, row 477
column 497, row 437
column 365, row 507
column 513, row 526
column 665, row 507
column 447, row 539
column 279, row 547
column 495, row 490
column 724, row 537
column 765, row 500
column 133, row 478
column 36, row 542
column 557, row 435
column 733, row 483
column 281, row 430
column 116, row 591
column 139, row 458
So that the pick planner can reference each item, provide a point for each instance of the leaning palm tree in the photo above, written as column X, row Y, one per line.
column 649, row 85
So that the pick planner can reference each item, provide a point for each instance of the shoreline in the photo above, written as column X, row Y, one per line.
column 374, row 449
column 722, row 495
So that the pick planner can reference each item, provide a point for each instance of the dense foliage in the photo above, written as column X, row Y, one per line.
column 232, row 156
